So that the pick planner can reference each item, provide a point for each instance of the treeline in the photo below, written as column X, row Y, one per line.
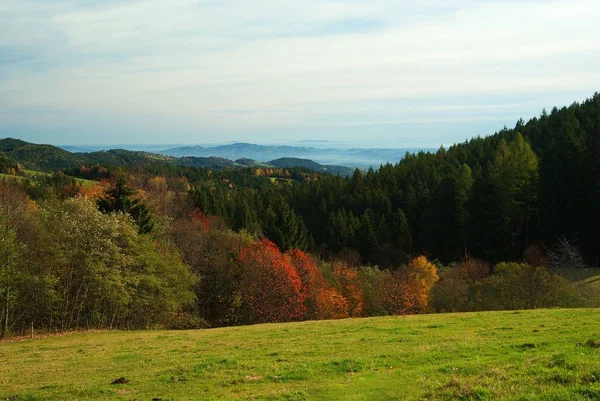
column 142, row 258
column 486, row 198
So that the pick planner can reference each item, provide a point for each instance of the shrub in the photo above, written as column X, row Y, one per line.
column 396, row 295
column 371, row 279
column 459, row 288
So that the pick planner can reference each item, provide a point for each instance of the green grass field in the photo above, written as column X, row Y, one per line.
column 82, row 181
column 12, row 177
column 522, row 355
column 34, row 175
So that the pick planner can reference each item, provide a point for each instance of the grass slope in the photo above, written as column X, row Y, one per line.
column 524, row 355
column 33, row 175
column 9, row 177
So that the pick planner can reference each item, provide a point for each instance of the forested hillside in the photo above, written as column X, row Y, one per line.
column 129, row 240
column 488, row 197
column 51, row 158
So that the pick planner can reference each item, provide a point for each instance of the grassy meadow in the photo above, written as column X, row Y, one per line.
column 516, row 355
column 35, row 175
column 12, row 177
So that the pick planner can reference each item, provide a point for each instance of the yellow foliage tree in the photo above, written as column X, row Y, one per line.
column 158, row 184
column 421, row 274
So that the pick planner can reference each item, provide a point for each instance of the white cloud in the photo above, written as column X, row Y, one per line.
column 291, row 63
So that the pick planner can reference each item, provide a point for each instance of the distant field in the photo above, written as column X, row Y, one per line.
column 12, row 177
column 87, row 183
column 523, row 355
column 33, row 175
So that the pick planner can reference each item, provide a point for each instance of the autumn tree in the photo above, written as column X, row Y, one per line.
column 313, row 282
column 420, row 275
column 397, row 297
column 270, row 285
column 348, row 284
column 331, row 304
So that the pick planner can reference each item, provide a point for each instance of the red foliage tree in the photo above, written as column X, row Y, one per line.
column 310, row 276
column 200, row 220
column 322, row 300
column 272, row 289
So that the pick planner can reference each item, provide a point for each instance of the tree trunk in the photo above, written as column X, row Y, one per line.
column 5, row 329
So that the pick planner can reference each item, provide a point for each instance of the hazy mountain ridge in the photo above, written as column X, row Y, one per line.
column 328, row 155
column 353, row 157
column 50, row 158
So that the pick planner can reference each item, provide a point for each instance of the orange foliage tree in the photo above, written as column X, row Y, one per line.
column 94, row 191
column 272, row 289
column 421, row 275
column 331, row 304
column 350, row 287
column 322, row 301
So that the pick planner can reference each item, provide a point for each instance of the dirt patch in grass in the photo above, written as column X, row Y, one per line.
column 592, row 343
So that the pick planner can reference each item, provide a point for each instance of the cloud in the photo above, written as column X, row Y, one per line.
column 290, row 66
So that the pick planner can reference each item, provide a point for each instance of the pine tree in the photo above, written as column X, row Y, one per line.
column 284, row 227
column 121, row 198
column 515, row 171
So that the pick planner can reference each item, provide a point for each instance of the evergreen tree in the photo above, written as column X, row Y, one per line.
column 121, row 198
column 284, row 227
column 515, row 171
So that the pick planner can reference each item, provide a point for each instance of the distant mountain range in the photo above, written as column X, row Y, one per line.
column 51, row 158
column 356, row 157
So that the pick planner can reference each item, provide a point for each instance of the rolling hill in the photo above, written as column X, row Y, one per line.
column 311, row 165
column 52, row 158
column 512, row 355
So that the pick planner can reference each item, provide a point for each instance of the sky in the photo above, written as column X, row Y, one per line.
column 370, row 73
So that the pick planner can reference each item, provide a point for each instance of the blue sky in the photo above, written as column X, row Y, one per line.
column 369, row 73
